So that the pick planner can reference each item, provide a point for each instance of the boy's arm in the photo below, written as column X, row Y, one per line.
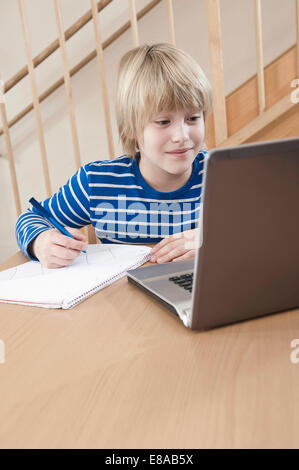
column 69, row 206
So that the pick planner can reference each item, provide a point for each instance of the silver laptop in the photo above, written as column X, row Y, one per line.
column 247, row 261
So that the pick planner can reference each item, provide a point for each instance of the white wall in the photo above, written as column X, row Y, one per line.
column 237, row 18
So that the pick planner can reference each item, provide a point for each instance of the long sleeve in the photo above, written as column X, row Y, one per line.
column 69, row 206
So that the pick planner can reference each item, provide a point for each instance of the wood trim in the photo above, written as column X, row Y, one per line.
column 260, row 122
column 35, row 101
column 171, row 22
column 217, row 76
column 11, row 162
column 297, row 35
column 242, row 104
column 259, row 55
column 133, row 21
column 284, row 127
column 103, row 82
column 67, row 83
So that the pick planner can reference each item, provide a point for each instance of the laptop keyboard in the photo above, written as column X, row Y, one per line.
column 184, row 280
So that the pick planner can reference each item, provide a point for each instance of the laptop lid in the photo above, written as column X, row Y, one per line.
column 248, row 262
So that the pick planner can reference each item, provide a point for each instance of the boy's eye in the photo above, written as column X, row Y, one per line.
column 165, row 121
column 194, row 118
column 162, row 123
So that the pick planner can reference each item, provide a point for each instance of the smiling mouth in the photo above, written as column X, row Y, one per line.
column 181, row 152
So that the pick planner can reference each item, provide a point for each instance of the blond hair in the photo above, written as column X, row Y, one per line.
column 152, row 79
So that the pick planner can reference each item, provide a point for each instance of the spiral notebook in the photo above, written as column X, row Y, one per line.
column 33, row 284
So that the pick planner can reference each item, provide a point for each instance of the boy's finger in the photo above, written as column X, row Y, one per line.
column 170, row 255
column 60, row 262
column 65, row 254
column 189, row 255
column 76, row 233
column 161, row 244
column 67, row 242
column 169, row 246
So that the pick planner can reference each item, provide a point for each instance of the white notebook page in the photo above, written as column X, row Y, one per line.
column 32, row 284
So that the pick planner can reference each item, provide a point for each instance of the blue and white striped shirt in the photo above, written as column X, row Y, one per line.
column 113, row 196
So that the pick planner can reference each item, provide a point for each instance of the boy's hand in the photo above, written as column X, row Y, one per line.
column 55, row 250
column 177, row 247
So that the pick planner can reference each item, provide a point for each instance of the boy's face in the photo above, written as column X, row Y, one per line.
column 171, row 141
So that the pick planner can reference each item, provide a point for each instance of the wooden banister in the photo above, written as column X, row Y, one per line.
column 103, row 79
column 82, row 21
column 133, row 19
column 217, row 77
column 54, row 45
column 11, row 162
column 80, row 64
column 67, row 83
column 36, row 106
column 259, row 55
column 297, row 35
column 171, row 21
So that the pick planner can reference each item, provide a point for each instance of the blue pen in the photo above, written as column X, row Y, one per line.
column 44, row 213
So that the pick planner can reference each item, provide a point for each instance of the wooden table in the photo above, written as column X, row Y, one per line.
column 121, row 371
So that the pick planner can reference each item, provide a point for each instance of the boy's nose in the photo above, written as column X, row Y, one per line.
column 180, row 133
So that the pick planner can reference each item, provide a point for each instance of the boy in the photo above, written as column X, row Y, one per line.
column 163, row 99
